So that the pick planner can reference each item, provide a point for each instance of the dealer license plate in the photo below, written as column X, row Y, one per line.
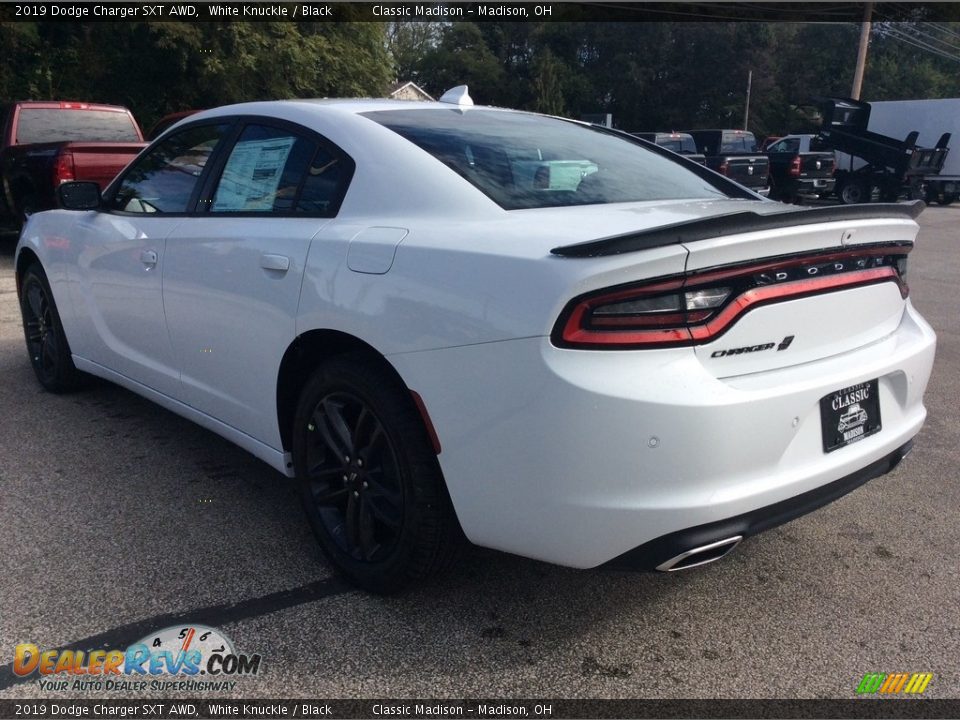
column 850, row 414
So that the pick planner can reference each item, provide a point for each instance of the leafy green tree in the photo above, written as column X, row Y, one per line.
column 408, row 43
column 157, row 68
column 547, row 84
column 462, row 57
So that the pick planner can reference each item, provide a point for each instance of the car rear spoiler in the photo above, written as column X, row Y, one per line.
column 735, row 223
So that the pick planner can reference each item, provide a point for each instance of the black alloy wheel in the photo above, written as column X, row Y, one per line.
column 369, row 478
column 354, row 478
column 46, row 342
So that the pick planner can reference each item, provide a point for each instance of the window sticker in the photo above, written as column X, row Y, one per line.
column 252, row 176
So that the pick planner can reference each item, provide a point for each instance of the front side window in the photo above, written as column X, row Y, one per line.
column 523, row 161
column 164, row 180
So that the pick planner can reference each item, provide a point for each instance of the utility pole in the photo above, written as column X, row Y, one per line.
column 746, row 112
column 862, row 52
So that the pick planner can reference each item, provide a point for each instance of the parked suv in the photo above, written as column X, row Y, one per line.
column 735, row 153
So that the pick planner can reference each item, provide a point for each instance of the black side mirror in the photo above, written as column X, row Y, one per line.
column 79, row 196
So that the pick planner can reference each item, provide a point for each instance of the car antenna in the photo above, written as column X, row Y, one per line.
column 458, row 95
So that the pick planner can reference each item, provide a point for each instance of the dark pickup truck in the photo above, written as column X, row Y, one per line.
column 680, row 143
column 734, row 153
column 45, row 144
column 801, row 166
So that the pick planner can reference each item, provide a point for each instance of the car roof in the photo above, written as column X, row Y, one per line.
column 344, row 106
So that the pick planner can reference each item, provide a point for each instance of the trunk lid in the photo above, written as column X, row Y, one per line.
column 764, row 288
column 852, row 297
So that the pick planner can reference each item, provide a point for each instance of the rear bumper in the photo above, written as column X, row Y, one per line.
column 812, row 186
column 580, row 457
column 651, row 555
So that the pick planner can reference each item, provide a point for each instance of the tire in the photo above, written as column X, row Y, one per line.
column 946, row 198
column 854, row 192
column 369, row 479
column 46, row 342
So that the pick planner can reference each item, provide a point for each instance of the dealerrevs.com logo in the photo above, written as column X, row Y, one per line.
column 894, row 683
column 195, row 657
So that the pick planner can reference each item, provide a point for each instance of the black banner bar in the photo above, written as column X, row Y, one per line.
column 873, row 707
column 229, row 11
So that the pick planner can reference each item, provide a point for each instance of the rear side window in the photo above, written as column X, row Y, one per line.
column 325, row 184
column 523, row 161
column 164, row 180
column 40, row 125
column 273, row 170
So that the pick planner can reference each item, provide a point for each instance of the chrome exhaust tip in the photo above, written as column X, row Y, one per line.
column 702, row 555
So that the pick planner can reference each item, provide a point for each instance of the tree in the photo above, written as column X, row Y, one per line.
column 408, row 43
column 157, row 68
column 462, row 57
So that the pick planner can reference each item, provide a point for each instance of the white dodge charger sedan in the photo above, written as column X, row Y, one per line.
column 446, row 320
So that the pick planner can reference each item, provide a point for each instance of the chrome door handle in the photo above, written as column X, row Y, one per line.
column 149, row 257
column 274, row 262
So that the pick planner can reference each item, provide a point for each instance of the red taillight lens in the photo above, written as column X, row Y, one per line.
column 63, row 169
column 724, row 168
column 795, row 167
column 700, row 307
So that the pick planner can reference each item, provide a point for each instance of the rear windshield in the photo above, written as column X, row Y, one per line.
column 525, row 161
column 738, row 142
column 679, row 144
column 39, row 125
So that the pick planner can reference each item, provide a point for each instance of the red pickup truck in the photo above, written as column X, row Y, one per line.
column 46, row 143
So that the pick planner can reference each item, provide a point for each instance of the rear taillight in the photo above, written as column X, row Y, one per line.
column 699, row 307
column 724, row 168
column 795, row 166
column 63, row 169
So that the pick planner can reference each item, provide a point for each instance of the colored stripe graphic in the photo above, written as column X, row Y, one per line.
column 918, row 683
column 871, row 683
column 894, row 683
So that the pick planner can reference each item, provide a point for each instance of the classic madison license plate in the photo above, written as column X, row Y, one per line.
column 850, row 414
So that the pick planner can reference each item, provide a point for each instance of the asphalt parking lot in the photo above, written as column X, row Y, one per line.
column 118, row 518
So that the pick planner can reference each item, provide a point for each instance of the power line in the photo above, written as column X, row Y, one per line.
column 907, row 39
column 930, row 37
